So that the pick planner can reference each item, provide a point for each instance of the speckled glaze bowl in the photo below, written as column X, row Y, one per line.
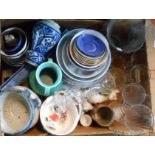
column 54, row 108
column 29, row 99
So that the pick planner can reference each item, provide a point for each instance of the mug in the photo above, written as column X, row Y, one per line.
column 19, row 110
column 47, row 79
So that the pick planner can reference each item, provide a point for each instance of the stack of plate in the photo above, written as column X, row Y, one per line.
column 87, row 50
column 84, row 57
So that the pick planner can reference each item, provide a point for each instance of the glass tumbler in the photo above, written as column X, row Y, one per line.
column 140, row 74
column 133, row 94
column 119, row 76
column 138, row 117
column 108, row 81
column 126, row 36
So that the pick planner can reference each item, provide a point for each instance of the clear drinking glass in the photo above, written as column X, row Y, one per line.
column 133, row 94
column 139, row 74
column 126, row 35
column 138, row 117
column 60, row 100
column 108, row 81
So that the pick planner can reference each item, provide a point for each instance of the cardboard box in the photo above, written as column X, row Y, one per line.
column 99, row 25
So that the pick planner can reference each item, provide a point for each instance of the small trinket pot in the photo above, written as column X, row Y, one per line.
column 86, row 120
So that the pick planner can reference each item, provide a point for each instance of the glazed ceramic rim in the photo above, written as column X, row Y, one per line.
column 51, row 24
column 92, row 32
column 103, row 61
column 30, row 108
column 57, row 70
column 18, row 44
column 23, row 49
column 79, row 76
column 33, row 108
column 86, row 77
column 79, row 54
column 69, row 76
column 118, row 48
column 45, row 105
column 13, row 62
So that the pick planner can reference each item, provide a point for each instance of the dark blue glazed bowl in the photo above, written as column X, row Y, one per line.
column 90, row 45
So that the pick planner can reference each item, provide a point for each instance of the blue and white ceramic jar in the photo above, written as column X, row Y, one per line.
column 46, row 34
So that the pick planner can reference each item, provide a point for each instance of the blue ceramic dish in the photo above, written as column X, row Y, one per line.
column 90, row 45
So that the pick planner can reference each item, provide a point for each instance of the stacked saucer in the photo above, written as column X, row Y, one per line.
column 87, row 50
column 83, row 56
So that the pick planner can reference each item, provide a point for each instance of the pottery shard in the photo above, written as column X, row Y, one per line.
column 85, row 120
column 87, row 106
column 113, row 94
column 97, row 98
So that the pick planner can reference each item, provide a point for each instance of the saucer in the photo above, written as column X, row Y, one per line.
column 90, row 45
column 86, row 62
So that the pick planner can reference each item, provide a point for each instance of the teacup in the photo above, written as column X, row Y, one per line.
column 19, row 110
column 47, row 79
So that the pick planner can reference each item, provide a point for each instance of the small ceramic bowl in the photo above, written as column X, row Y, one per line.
column 59, row 114
column 20, row 110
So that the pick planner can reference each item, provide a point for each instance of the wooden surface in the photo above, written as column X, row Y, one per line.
column 150, row 43
column 79, row 131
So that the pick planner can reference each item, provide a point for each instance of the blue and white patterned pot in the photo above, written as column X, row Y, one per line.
column 46, row 34
column 32, row 102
